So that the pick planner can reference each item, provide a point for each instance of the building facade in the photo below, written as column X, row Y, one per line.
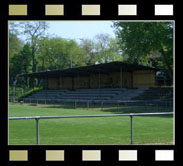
column 107, row 75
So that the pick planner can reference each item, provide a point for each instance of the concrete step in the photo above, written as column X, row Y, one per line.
column 86, row 98
column 91, row 95
column 50, row 93
column 93, row 92
column 103, row 89
column 46, row 95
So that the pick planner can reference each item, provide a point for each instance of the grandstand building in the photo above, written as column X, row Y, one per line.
column 98, row 76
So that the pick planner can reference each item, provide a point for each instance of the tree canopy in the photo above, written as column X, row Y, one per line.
column 40, row 51
column 147, row 42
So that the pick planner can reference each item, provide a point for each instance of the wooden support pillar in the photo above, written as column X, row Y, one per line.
column 132, row 79
column 72, row 82
column 28, row 80
column 121, row 79
column 46, row 86
column 99, row 80
column 78, row 81
column 90, row 80
column 164, row 79
column 155, row 78
column 46, row 82
column 60, row 81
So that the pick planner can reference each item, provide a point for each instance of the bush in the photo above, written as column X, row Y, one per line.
column 30, row 92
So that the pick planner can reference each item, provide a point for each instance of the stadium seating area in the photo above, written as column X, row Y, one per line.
column 87, row 94
column 156, row 93
column 105, row 95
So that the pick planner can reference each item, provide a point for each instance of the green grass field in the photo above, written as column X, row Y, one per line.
column 85, row 131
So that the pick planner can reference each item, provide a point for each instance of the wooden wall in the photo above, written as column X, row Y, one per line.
column 66, row 83
column 81, row 82
column 137, row 79
column 53, row 83
column 143, row 79
column 127, row 79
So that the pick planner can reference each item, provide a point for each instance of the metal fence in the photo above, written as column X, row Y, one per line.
column 146, row 105
column 131, row 115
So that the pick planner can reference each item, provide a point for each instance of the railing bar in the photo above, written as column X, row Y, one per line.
column 90, row 116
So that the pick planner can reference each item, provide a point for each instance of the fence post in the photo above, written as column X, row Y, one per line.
column 102, row 105
column 157, row 108
column 37, row 130
column 131, row 120
column 75, row 104
column 88, row 105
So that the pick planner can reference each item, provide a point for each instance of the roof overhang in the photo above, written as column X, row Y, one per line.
column 104, row 68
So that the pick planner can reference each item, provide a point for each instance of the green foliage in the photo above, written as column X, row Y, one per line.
column 42, row 52
column 107, row 49
column 56, row 53
column 143, row 42
column 88, row 52
column 30, row 92
column 20, row 62
column 15, row 44
column 34, row 30
column 18, row 91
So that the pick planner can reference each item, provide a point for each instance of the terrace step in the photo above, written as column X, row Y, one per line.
column 87, row 94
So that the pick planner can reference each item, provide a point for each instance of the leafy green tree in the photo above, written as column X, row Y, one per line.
column 107, row 48
column 139, row 41
column 33, row 31
column 21, row 63
column 56, row 53
column 15, row 44
column 88, row 52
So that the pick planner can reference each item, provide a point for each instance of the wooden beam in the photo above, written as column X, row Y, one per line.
column 131, row 79
column 99, row 80
column 60, row 81
column 121, row 79
column 78, row 81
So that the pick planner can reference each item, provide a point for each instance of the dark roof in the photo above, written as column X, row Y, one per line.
column 104, row 68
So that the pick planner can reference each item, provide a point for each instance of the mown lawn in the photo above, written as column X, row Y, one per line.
column 110, row 130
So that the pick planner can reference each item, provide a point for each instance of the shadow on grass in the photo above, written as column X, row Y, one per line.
column 113, row 109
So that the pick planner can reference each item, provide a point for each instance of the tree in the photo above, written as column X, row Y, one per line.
column 88, row 52
column 107, row 48
column 140, row 40
column 55, row 53
column 34, row 30
column 21, row 63
column 15, row 44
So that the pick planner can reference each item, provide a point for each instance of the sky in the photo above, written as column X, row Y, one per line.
column 79, row 29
